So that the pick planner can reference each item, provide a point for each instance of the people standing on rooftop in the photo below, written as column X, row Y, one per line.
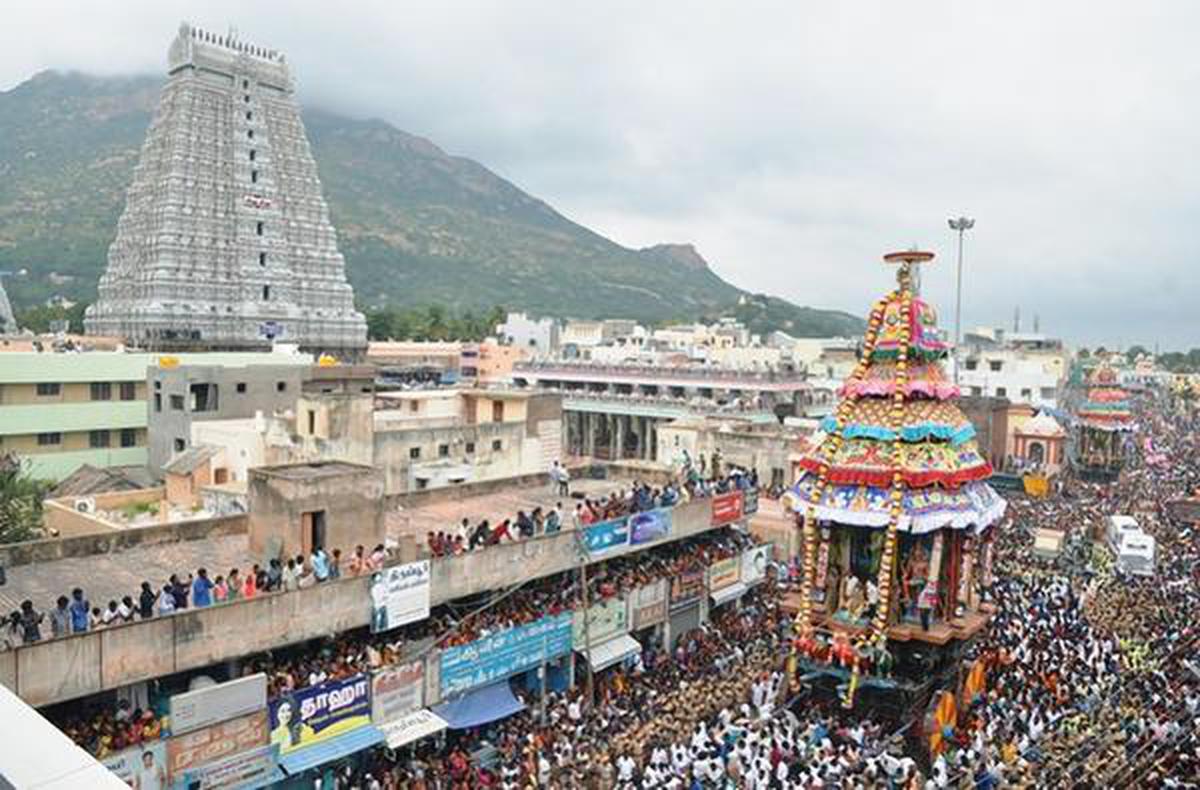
column 202, row 589
column 60, row 617
column 80, row 607
column 320, row 564
column 31, row 623
column 146, row 599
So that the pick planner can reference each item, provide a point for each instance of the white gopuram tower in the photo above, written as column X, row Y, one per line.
column 225, row 242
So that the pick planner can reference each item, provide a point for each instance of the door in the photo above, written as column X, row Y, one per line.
column 312, row 530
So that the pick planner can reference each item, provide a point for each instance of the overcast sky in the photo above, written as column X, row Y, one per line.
column 792, row 143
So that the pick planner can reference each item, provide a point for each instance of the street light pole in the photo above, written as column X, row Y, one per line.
column 962, row 225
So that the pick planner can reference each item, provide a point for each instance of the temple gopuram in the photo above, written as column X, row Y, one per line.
column 896, row 517
column 1103, row 421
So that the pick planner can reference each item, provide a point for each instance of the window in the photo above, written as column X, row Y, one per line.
column 995, row 365
column 443, row 450
column 249, row 115
column 971, row 364
column 497, row 411
column 204, row 396
column 262, row 259
column 47, row 439
column 497, row 444
column 128, row 390
column 49, row 389
column 413, row 406
column 180, row 445
column 1026, row 393
column 1049, row 393
column 976, row 391
column 250, row 133
column 414, row 453
column 266, row 293
column 422, row 483
column 253, row 153
column 158, row 401
column 177, row 403
column 129, row 437
column 312, row 422
column 101, row 390
column 281, row 386
column 1001, row 392
column 470, row 448
column 253, row 176
column 258, row 228
column 246, row 98
column 97, row 439
column 241, row 387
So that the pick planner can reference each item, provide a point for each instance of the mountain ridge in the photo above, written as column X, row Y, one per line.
column 415, row 223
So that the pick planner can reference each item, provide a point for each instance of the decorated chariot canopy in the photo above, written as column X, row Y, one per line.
column 898, row 434
column 1107, row 406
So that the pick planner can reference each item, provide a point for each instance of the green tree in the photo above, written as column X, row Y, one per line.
column 1136, row 351
column 20, row 502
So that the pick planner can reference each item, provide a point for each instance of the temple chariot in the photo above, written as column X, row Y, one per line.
column 1104, row 421
column 897, row 522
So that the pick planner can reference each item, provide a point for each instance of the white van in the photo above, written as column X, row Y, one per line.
column 1136, row 554
column 1118, row 528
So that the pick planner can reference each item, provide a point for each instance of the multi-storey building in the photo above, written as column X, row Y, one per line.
column 614, row 411
column 60, row 411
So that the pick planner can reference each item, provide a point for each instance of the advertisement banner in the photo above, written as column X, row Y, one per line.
column 316, row 714
column 605, row 620
column 686, row 588
column 141, row 766
column 750, row 501
column 754, row 563
column 724, row 573
column 607, row 535
column 497, row 656
column 224, row 701
column 245, row 771
column 399, row 595
column 648, row 526
column 397, row 690
column 216, row 743
column 726, row 508
column 649, row 604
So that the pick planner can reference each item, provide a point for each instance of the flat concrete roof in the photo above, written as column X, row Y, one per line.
column 311, row 471
column 106, row 577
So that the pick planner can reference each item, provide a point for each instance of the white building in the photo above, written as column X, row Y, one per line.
column 541, row 336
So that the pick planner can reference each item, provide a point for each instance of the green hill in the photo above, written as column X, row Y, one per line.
column 416, row 225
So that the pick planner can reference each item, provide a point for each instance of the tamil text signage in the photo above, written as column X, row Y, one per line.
column 399, row 595
column 727, row 508
column 505, row 653
column 312, row 715
column 604, row 621
column 649, row 605
column 397, row 690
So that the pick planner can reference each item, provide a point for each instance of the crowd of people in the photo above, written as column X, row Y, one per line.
column 77, row 614
column 1093, row 674
column 639, row 497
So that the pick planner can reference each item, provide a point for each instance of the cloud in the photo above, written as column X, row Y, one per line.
column 793, row 143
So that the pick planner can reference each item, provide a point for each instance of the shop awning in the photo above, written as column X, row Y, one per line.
column 329, row 750
column 411, row 727
column 481, row 706
column 612, row 651
column 727, row 594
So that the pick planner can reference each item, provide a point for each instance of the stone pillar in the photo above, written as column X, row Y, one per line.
column 618, row 435
column 587, row 429
column 643, row 436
